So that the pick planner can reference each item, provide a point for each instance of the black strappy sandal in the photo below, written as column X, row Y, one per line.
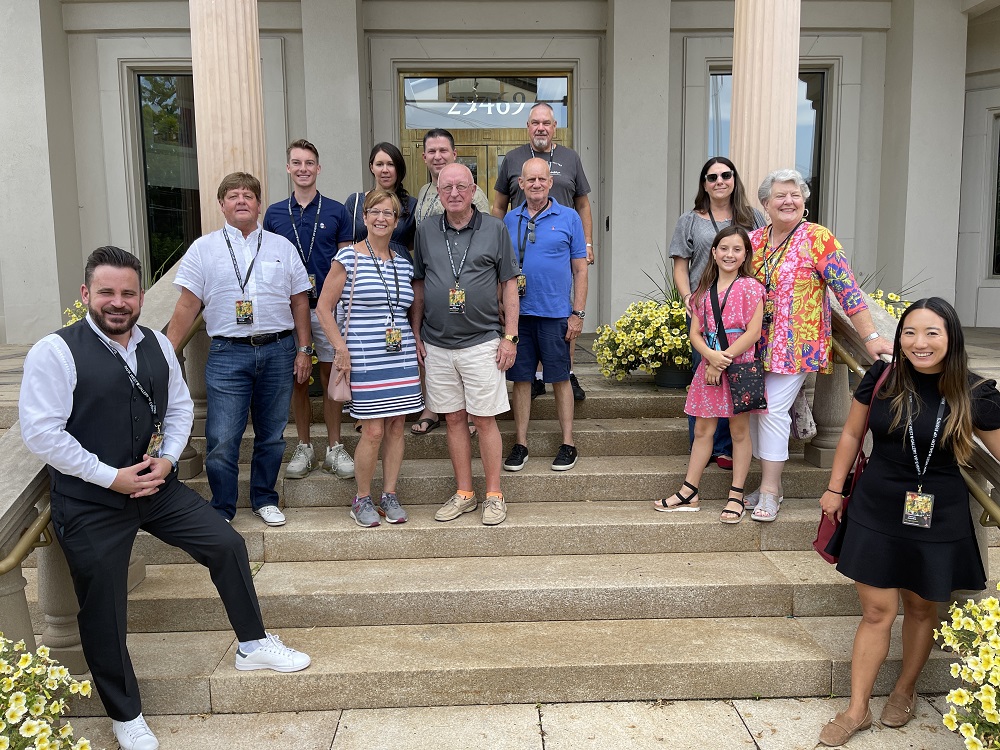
column 732, row 516
column 686, row 501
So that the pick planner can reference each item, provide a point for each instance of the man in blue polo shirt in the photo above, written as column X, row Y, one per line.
column 552, row 252
column 317, row 226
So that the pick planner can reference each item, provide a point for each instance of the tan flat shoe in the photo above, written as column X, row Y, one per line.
column 840, row 729
column 898, row 710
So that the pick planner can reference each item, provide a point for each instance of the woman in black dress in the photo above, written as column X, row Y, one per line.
column 909, row 533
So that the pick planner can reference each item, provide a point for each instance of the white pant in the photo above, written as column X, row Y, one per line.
column 769, row 432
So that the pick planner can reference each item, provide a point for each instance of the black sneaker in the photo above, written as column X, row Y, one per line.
column 565, row 458
column 517, row 459
column 537, row 388
column 578, row 392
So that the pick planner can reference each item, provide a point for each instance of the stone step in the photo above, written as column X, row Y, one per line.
column 456, row 590
column 537, row 528
column 593, row 437
column 516, row 662
column 431, row 481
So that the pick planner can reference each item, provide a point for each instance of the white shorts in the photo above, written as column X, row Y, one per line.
column 322, row 345
column 465, row 379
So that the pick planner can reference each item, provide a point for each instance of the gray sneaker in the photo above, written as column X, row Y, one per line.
column 303, row 461
column 390, row 509
column 338, row 461
column 456, row 506
column 363, row 512
column 494, row 510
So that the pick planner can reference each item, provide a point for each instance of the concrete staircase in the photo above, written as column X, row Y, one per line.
column 583, row 594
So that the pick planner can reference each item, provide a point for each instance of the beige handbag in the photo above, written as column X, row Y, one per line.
column 340, row 390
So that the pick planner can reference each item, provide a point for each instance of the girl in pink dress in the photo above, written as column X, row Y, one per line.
column 741, row 299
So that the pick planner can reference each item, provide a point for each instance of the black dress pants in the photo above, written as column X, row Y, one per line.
column 97, row 541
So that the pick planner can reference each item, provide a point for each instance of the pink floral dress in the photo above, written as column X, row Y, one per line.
column 705, row 400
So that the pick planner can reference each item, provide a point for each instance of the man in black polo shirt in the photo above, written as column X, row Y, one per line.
column 104, row 404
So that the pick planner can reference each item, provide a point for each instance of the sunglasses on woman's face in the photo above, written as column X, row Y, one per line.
column 727, row 175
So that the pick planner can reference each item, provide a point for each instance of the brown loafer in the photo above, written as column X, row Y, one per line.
column 898, row 710
column 840, row 729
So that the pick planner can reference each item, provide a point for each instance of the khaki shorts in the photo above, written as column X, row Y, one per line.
column 465, row 379
column 324, row 349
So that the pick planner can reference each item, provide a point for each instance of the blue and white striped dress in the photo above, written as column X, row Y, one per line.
column 383, row 384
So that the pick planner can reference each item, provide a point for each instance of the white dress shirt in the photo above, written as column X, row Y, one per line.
column 46, row 403
column 206, row 270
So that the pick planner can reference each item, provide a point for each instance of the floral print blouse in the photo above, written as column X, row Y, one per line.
column 798, row 336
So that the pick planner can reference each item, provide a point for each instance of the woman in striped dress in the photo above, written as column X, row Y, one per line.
column 379, row 355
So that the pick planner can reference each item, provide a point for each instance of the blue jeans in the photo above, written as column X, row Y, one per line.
column 722, row 443
column 242, row 379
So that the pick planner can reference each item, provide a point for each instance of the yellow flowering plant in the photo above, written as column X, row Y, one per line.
column 972, row 635
column 890, row 302
column 650, row 335
column 76, row 311
column 34, row 689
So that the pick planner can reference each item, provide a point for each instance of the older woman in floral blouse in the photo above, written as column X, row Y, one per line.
column 797, row 261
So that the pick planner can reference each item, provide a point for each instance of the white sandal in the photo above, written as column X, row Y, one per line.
column 767, row 507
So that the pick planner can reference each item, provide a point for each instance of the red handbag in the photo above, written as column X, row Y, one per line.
column 828, row 527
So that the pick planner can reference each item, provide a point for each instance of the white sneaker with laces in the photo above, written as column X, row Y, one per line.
column 270, row 515
column 135, row 734
column 303, row 461
column 338, row 461
column 272, row 654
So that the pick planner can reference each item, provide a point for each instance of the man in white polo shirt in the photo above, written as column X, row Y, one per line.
column 255, row 291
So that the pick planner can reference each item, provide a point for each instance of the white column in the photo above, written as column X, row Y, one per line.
column 922, row 146
column 40, row 259
column 765, row 88
column 638, row 110
column 225, row 57
column 57, row 600
column 337, row 104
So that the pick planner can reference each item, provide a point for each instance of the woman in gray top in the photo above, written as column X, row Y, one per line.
column 719, row 202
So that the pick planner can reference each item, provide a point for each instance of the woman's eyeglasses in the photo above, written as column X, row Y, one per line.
column 376, row 212
column 727, row 175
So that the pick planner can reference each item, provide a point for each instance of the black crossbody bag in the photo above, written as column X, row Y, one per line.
column 746, row 381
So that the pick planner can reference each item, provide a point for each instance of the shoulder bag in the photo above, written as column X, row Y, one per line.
column 746, row 381
column 340, row 390
column 829, row 534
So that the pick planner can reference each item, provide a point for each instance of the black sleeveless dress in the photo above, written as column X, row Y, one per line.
column 876, row 548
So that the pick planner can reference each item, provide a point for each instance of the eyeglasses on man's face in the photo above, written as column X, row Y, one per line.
column 712, row 177
column 376, row 212
column 460, row 187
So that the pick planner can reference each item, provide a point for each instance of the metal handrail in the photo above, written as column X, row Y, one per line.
column 991, row 509
column 38, row 533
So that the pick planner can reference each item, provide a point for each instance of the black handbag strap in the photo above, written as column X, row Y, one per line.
column 720, row 328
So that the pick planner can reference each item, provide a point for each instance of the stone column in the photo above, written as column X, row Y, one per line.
column 15, row 621
column 190, row 463
column 57, row 601
column 225, row 57
column 831, row 404
column 634, row 234
column 765, row 86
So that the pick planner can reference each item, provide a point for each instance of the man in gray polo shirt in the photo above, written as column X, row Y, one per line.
column 460, row 259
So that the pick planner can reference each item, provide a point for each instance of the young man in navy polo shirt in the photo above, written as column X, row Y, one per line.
column 317, row 226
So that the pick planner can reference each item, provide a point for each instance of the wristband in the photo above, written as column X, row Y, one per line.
column 835, row 492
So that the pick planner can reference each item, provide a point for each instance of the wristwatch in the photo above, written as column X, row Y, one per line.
column 306, row 350
column 581, row 314
column 871, row 336
column 512, row 337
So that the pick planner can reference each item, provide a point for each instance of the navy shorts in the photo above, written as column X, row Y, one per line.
column 541, row 340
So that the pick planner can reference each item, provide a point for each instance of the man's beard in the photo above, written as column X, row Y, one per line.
column 109, row 328
column 540, row 143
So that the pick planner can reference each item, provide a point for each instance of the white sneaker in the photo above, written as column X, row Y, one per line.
column 272, row 654
column 303, row 461
column 338, row 461
column 270, row 515
column 135, row 734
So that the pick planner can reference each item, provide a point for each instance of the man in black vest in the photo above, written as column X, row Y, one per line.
column 104, row 404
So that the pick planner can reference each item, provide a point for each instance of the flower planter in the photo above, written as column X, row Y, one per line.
column 672, row 377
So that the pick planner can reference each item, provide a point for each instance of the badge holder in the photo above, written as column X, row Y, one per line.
column 155, row 442
column 456, row 300
column 244, row 312
column 522, row 284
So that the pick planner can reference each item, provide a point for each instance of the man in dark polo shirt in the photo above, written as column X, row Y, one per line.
column 460, row 259
column 317, row 226
column 104, row 404
column 569, row 188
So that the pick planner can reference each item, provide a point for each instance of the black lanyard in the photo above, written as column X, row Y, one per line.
column 913, row 443
column 451, row 258
column 246, row 279
column 298, row 243
column 712, row 217
column 378, row 268
column 135, row 381
column 522, row 244
column 769, row 264
column 552, row 150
